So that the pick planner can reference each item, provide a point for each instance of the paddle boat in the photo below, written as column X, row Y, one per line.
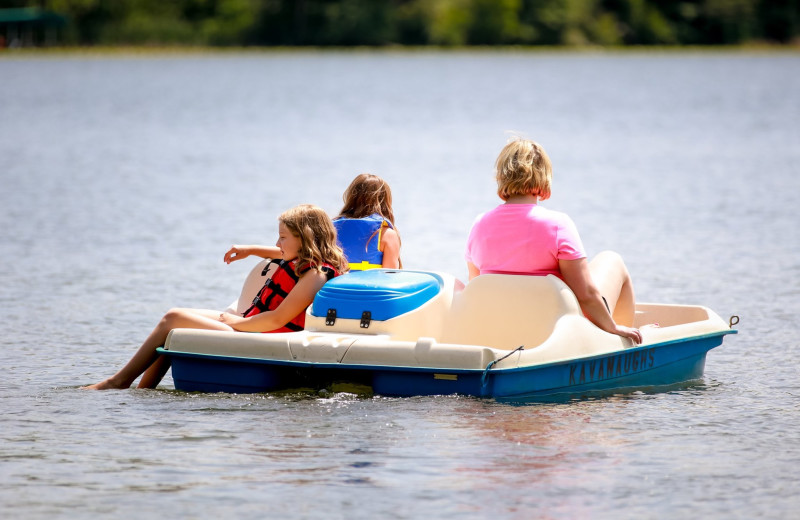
column 408, row 333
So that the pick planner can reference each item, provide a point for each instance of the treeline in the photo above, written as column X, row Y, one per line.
column 422, row 22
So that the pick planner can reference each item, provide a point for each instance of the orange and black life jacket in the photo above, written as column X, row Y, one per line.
column 278, row 287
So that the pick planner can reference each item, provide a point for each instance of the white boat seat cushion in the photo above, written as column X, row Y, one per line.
column 506, row 311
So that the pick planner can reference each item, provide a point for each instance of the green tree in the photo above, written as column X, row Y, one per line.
column 448, row 21
column 729, row 21
column 357, row 22
column 422, row 22
column 495, row 22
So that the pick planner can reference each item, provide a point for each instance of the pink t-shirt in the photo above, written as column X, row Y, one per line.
column 523, row 239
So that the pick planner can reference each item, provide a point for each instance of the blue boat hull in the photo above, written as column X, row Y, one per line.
column 652, row 365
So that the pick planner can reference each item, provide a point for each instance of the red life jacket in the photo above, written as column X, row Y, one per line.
column 278, row 287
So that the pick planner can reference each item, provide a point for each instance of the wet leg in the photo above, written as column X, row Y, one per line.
column 155, row 372
column 147, row 356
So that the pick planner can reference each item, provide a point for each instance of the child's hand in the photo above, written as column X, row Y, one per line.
column 236, row 253
column 231, row 319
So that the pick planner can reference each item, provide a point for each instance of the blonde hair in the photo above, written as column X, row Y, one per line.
column 317, row 238
column 523, row 168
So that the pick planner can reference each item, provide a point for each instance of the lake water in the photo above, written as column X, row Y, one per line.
column 126, row 177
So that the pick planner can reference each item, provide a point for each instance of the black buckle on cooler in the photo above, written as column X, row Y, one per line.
column 366, row 317
column 330, row 318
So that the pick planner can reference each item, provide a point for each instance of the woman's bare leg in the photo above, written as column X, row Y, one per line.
column 146, row 356
column 614, row 282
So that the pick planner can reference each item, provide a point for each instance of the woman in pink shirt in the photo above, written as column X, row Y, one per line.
column 521, row 237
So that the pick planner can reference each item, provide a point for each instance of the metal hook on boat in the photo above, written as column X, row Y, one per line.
column 734, row 320
column 496, row 361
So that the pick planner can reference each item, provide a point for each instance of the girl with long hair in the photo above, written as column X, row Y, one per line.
column 365, row 225
column 365, row 228
column 310, row 257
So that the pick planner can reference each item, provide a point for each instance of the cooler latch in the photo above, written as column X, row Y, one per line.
column 330, row 318
column 366, row 317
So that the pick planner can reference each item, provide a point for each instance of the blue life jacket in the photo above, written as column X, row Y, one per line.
column 360, row 238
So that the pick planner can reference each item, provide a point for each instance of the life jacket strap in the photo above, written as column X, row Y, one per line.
column 274, row 288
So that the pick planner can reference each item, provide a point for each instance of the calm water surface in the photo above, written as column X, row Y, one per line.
column 125, row 179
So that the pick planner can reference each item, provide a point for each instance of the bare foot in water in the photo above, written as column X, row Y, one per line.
column 108, row 384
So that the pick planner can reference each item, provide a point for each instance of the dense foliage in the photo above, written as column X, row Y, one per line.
column 423, row 22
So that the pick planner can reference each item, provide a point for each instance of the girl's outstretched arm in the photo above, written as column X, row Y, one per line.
column 240, row 252
column 296, row 302
column 390, row 241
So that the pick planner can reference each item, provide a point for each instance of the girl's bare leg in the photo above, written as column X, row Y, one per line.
column 146, row 356
column 155, row 372
column 614, row 282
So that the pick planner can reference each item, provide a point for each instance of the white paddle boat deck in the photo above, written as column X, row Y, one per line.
column 406, row 333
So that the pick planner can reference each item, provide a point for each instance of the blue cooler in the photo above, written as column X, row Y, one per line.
column 376, row 294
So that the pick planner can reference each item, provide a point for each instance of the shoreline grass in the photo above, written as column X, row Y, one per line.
column 190, row 50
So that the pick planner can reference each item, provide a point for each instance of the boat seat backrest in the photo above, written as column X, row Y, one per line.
column 252, row 284
column 506, row 311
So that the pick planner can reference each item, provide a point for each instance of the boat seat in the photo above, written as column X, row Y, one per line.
column 255, row 280
column 506, row 311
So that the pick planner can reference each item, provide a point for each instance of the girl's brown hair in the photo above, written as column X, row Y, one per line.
column 369, row 194
column 523, row 168
column 366, row 195
column 317, row 238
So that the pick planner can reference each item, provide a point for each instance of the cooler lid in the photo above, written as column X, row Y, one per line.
column 385, row 293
